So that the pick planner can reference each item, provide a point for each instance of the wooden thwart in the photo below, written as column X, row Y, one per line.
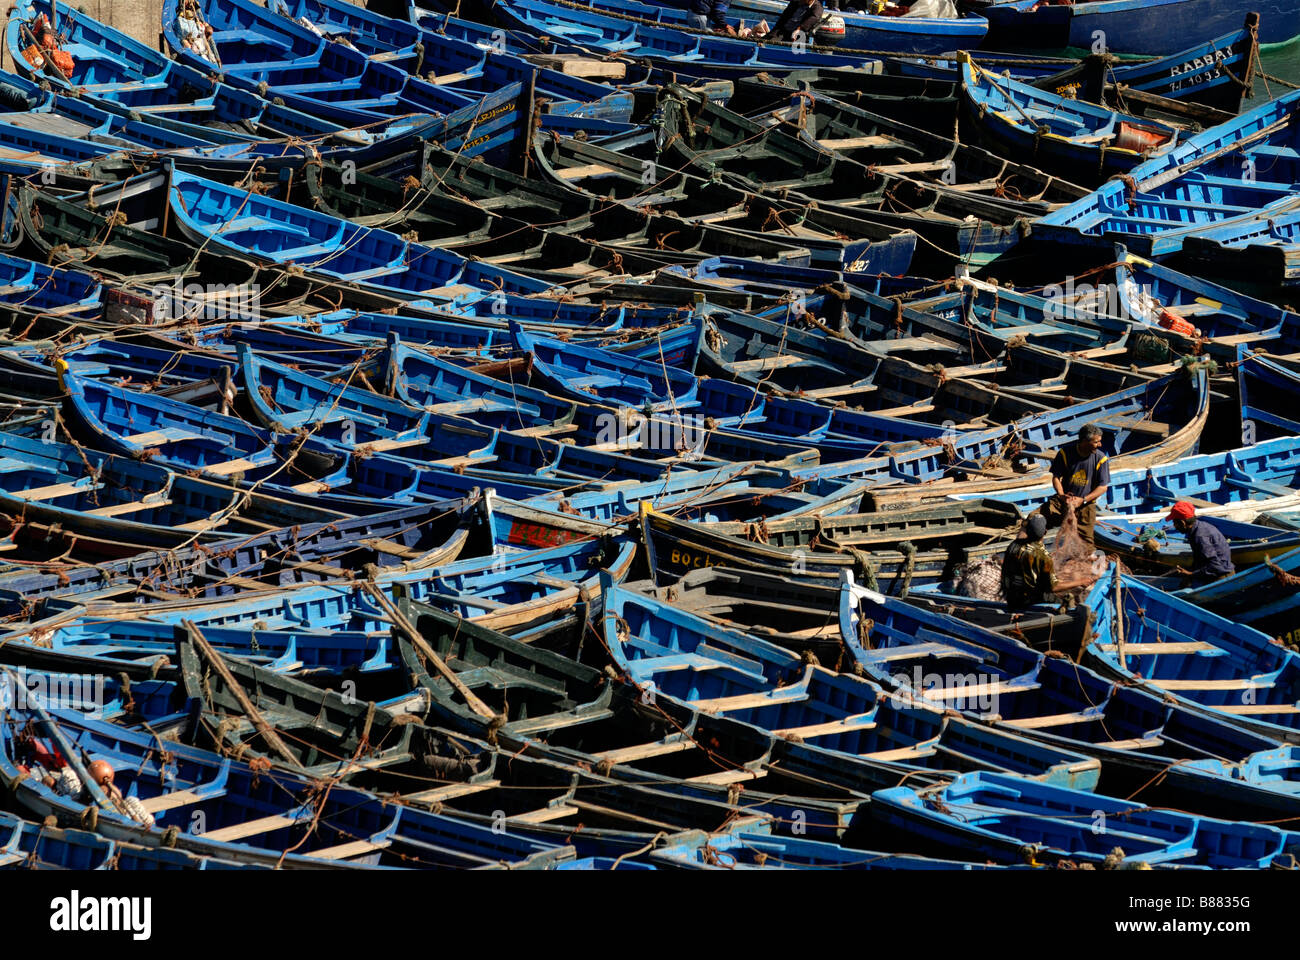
column 853, row 143
column 250, row 829
column 118, row 509
column 230, row 466
column 646, row 751
column 55, row 490
column 585, row 170
column 345, row 850
column 1190, row 646
column 545, row 814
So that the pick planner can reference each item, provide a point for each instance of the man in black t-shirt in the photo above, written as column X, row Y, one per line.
column 1080, row 475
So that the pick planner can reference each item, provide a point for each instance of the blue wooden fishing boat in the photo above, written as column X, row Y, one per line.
column 506, row 593
column 1249, row 543
column 528, row 587
column 1142, row 313
column 922, row 471
column 1261, row 596
column 1081, row 141
column 250, row 224
column 1266, row 390
column 105, row 645
column 1265, row 249
column 1195, row 188
column 932, row 657
column 170, row 432
column 285, row 401
column 900, row 549
column 1238, row 484
column 35, row 846
column 1223, row 318
column 1010, row 820
column 407, row 538
column 584, row 374
column 668, row 652
column 429, row 382
column 251, row 815
column 1203, row 661
column 25, row 845
column 112, row 68
column 262, row 52
column 1132, row 26
column 749, row 851
column 187, row 438
column 54, row 125
column 113, row 506
column 459, row 65
column 1209, row 73
column 27, row 285
column 864, row 34
column 861, row 33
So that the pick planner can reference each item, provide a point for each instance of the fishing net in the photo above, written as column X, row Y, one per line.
column 1072, row 559
column 981, row 580
column 1150, row 350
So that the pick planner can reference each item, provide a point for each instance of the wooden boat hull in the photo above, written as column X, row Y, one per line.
column 937, row 541
column 1161, row 28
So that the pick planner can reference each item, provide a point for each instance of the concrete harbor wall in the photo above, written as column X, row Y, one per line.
column 142, row 19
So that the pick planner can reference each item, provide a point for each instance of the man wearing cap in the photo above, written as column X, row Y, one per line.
column 1028, row 573
column 1211, row 555
column 1080, row 475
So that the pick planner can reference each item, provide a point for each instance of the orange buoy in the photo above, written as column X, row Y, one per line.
column 102, row 772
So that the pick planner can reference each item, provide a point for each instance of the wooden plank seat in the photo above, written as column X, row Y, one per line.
column 120, row 509
column 546, row 814
column 355, row 848
column 450, row 792
column 1190, row 646
column 1257, row 709
column 856, row 143
column 1235, row 683
column 56, row 490
column 393, row 443
column 391, row 549
column 585, row 170
column 1134, row 425
column 1052, row 720
column 646, row 751
column 228, row 467
column 158, row 438
column 251, row 828
column 814, row 730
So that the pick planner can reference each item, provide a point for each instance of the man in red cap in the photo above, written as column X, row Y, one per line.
column 1211, row 555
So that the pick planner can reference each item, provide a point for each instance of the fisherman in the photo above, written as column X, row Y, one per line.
column 1028, row 573
column 1080, row 475
column 800, row 17
column 1211, row 555
column 710, row 14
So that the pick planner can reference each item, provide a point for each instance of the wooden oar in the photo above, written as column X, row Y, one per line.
column 401, row 621
column 215, row 660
